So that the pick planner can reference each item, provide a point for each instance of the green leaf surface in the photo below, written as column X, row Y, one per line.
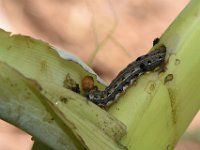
column 79, row 118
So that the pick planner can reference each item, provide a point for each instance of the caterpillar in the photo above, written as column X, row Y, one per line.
column 127, row 76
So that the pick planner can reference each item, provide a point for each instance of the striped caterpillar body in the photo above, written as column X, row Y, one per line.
column 127, row 76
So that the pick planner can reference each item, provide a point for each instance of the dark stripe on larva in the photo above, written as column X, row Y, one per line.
column 127, row 76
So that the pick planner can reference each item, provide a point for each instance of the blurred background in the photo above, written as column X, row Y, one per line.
column 106, row 34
